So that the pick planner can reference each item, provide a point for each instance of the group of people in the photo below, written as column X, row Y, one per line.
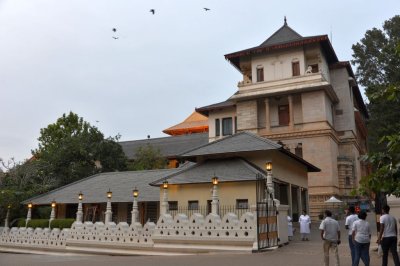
column 359, row 235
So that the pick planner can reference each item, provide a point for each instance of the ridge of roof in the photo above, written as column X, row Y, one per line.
column 275, row 145
column 283, row 34
column 253, row 168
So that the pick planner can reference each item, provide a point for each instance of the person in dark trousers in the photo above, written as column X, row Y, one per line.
column 349, row 226
column 361, row 236
column 388, row 236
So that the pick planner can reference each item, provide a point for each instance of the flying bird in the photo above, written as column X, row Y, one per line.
column 206, row 9
column 115, row 38
column 114, row 30
column 153, row 11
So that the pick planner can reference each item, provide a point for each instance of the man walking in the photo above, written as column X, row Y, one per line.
column 349, row 225
column 330, row 234
column 388, row 236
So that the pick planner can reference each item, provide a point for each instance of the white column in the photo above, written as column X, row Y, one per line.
column 135, row 211
column 7, row 217
column 215, row 200
column 28, row 216
column 79, row 213
column 108, row 212
column 164, row 203
column 270, row 186
column 52, row 214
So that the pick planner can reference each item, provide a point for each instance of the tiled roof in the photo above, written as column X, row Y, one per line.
column 282, row 35
column 206, row 109
column 240, row 142
column 169, row 146
column 196, row 122
column 227, row 170
column 284, row 38
column 94, row 188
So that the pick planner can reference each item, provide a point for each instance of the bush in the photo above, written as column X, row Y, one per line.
column 44, row 223
column 62, row 223
column 34, row 223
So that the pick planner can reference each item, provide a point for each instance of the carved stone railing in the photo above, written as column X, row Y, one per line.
column 210, row 230
column 179, row 232
column 29, row 237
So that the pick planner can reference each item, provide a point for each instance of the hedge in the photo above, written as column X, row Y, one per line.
column 44, row 223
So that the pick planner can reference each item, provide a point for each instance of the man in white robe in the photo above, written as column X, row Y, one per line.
column 305, row 226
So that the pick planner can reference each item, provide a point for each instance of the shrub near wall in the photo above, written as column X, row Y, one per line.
column 44, row 223
column 61, row 223
column 34, row 223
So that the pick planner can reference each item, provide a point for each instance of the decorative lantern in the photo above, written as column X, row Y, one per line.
column 135, row 192
column 165, row 184
column 215, row 180
column 268, row 166
column 80, row 197
column 109, row 194
column 53, row 204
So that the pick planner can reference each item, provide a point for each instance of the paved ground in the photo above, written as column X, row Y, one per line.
column 297, row 253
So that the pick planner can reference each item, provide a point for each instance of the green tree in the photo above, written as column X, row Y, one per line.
column 147, row 158
column 73, row 149
column 377, row 57
column 378, row 70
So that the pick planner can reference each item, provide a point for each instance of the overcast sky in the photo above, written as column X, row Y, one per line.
column 58, row 56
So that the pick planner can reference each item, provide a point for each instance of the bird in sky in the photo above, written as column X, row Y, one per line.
column 153, row 11
column 206, row 9
column 115, row 38
column 114, row 30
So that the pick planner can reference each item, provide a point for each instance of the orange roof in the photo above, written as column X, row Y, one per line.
column 195, row 123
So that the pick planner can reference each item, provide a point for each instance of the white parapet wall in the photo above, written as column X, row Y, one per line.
column 207, row 233
column 180, row 234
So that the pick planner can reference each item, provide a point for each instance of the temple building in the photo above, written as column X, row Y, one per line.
column 296, row 91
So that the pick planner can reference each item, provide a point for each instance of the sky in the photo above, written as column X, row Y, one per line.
column 58, row 56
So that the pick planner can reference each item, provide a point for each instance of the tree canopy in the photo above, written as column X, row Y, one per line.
column 378, row 70
column 148, row 158
column 377, row 57
column 74, row 149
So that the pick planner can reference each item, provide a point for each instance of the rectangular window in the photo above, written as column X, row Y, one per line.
column 296, row 68
column 226, row 126
column 283, row 112
column 242, row 204
column 217, row 128
column 260, row 74
column 193, row 204
column 173, row 205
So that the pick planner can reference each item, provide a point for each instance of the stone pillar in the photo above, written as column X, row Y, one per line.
column 108, row 213
column 135, row 211
column 7, row 217
column 270, row 186
column 79, row 213
column 29, row 215
column 164, row 203
column 53, row 212
column 300, row 200
column 291, row 113
column 215, row 199
column 267, row 118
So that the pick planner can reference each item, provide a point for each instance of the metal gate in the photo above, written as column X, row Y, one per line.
column 267, row 220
